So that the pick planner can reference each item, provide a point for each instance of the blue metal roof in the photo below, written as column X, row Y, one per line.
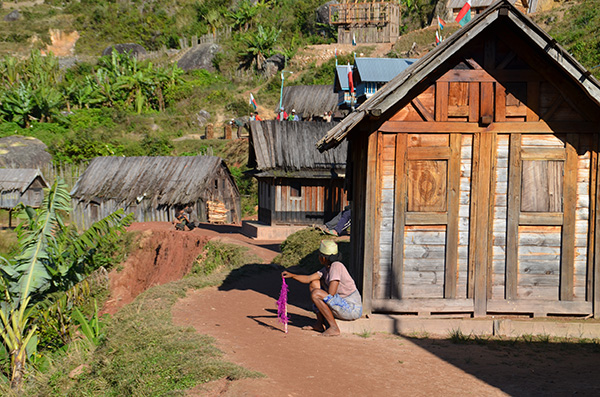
column 380, row 70
column 341, row 78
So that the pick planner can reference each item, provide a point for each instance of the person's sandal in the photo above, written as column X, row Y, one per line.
column 331, row 232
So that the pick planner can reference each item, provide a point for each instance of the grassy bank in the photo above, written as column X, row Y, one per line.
column 142, row 352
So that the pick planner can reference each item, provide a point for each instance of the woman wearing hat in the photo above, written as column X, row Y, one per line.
column 332, row 290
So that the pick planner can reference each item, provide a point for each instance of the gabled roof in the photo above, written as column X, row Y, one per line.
column 309, row 100
column 287, row 148
column 165, row 180
column 341, row 78
column 503, row 10
column 18, row 179
column 380, row 70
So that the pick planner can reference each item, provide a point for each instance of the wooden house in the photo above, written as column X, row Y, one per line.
column 154, row 188
column 475, row 178
column 368, row 76
column 366, row 22
column 297, row 185
column 19, row 185
column 310, row 101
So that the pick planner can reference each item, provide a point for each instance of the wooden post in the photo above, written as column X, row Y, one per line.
column 480, row 230
column 228, row 131
column 210, row 132
column 596, row 272
column 370, row 222
column 512, row 218
column 399, row 216
column 567, row 258
column 452, row 227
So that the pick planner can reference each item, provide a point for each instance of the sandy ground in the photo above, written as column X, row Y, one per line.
column 241, row 316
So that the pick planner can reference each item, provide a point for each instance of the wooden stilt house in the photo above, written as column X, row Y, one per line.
column 297, row 185
column 155, row 188
column 475, row 183
column 18, row 185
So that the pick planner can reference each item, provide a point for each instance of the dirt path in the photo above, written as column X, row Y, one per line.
column 241, row 316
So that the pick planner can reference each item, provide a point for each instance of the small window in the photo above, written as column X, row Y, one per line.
column 295, row 189
column 542, row 186
column 216, row 184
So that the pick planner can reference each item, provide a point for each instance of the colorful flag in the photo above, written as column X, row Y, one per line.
column 350, row 80
column 441, row 23
column 438, row 39
column 464, row 15
column 252, row 101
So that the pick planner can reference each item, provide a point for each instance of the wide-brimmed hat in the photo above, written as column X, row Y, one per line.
column 328, row 247
column 293, row 110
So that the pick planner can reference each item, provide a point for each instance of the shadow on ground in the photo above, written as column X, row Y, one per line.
column 525, row 366
column 266, row 280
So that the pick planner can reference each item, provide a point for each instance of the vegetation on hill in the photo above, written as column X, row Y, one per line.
column 575, row 25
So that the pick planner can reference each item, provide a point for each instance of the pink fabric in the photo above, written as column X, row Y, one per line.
column 282, row 303
column 338, row 272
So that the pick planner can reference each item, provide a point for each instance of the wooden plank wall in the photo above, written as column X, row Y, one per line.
column 319, row 201
column 149, row 211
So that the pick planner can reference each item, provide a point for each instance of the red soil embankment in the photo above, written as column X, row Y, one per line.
column 163, row 254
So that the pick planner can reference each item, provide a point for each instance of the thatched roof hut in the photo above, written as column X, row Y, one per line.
column 296, row 183
column 288, row 149
column 310, row 101
column 21, row 186
column 23, row 152
column 154, row 187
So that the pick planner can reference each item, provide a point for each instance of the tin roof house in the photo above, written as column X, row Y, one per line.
column 368, row 76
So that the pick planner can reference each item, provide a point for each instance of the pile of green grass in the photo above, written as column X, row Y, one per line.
column 302, row 249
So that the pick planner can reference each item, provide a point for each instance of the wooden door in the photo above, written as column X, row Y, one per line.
column 423, row 236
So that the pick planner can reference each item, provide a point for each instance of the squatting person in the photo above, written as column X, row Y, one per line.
column 332, row 291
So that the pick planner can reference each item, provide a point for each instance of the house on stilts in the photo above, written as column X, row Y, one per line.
column 475, row 178
column 20, row 186
column 297, row 185
column 155, row 188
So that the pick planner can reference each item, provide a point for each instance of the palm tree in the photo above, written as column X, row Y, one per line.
column 259, row 46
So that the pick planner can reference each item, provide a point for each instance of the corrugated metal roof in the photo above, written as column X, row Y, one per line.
column 380, row 70
column 391, row 93
column 18, row 179
column 290, row 146
column 341, row 78
column 166, row 180
column 309, row 100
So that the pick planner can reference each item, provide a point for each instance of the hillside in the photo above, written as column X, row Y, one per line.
column 82, row 106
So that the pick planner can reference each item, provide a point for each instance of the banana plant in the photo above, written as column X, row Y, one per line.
column 50, row 256
column 91, row 329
